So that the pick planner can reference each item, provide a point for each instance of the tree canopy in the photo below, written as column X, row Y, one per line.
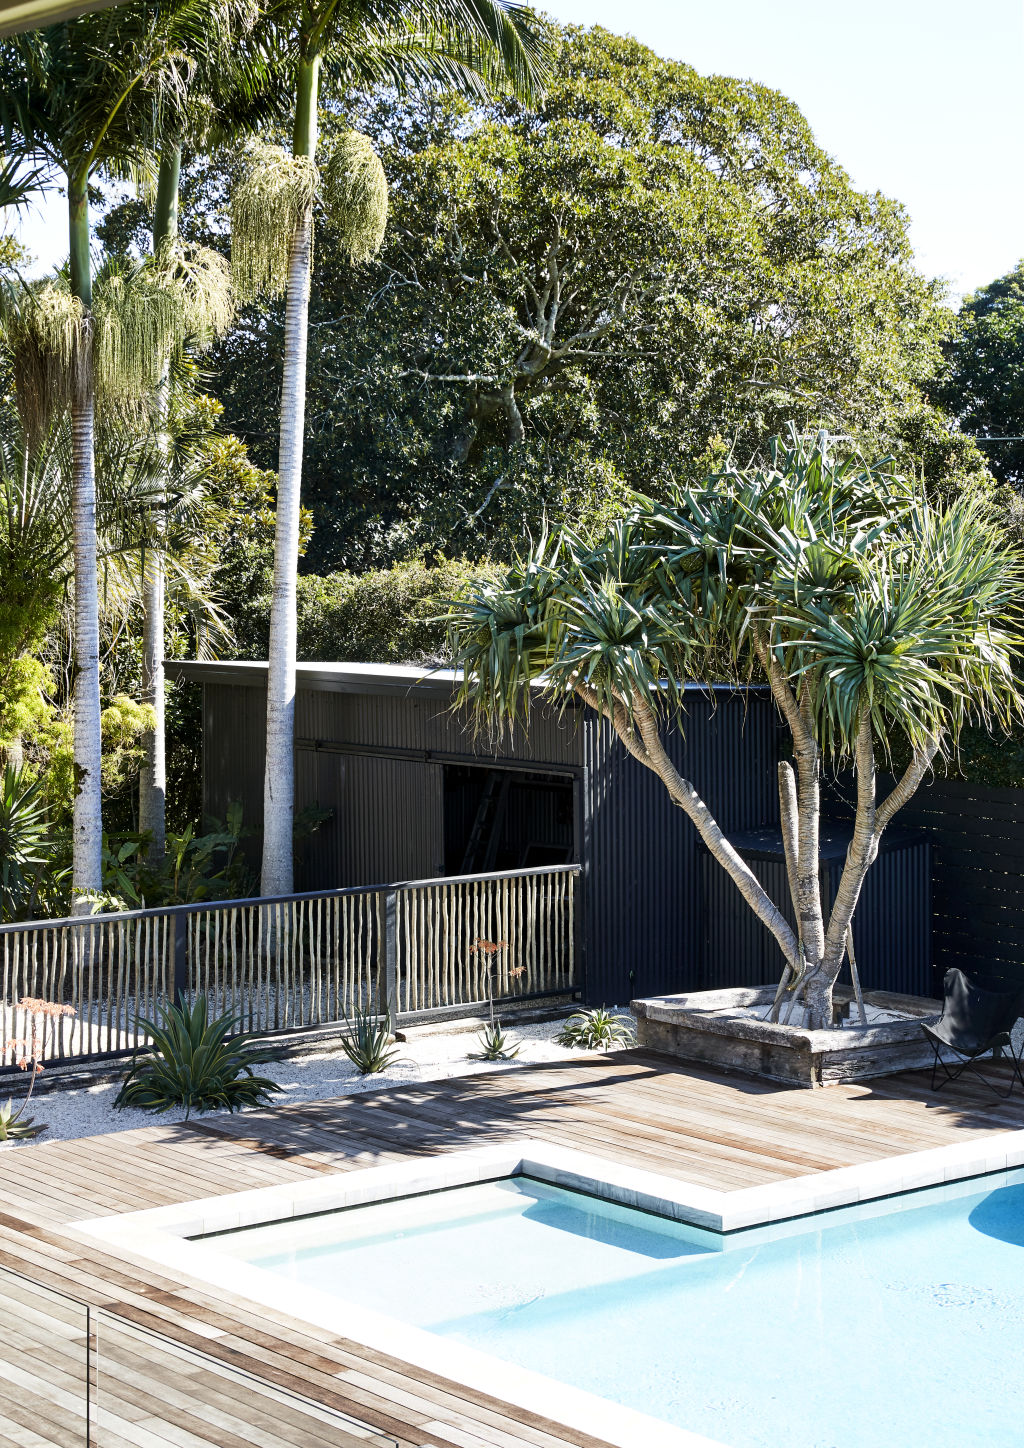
column 984, row 387
column 577, row 297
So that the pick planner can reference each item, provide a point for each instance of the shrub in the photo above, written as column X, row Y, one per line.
column 386, row 616
column 596, row 1030
column 197, row 1063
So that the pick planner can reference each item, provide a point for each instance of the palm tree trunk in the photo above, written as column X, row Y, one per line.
column 279, row 783
column 153, row 775
column 87, row 871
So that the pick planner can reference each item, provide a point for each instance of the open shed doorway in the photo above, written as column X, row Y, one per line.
column 506, row 819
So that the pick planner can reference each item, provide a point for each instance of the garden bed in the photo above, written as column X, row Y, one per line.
column 729, row 1029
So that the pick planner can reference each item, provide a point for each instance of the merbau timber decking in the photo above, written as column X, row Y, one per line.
column 722, row 1131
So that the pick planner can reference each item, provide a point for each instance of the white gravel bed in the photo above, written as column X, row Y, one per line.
column 428, row 1055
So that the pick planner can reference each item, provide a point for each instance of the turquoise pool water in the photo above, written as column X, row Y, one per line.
column 894, row 1325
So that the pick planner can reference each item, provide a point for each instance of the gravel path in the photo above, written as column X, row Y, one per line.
column 427, row 1055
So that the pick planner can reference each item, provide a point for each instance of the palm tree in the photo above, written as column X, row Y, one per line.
column 469, row 43
column 37, row 552
column 882, row 624
column 81, row 98
column 232, row 88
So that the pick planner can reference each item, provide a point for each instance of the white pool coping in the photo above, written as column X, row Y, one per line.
column 161, row 1234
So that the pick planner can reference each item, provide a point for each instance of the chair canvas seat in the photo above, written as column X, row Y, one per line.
column 978, row 1016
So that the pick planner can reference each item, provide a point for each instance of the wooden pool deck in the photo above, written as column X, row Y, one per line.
column 710, row 1128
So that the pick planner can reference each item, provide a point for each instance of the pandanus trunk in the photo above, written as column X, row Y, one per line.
column 279, row 783
column 87, row 871
column 153, row 775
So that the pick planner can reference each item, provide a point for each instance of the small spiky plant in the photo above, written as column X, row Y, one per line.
column 495, row 1044
column 15, row 1125
column 368, row 1042
column 596, row 1030
column 196, row 1062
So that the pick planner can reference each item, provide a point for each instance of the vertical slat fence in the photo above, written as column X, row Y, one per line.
column 79, row 989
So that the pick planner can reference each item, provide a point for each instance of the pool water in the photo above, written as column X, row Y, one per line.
column 890, row 1325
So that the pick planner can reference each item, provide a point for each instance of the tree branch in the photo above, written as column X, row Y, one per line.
column 907, row 785
column 685, row 795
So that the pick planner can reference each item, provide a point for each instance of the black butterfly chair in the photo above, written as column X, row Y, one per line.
column 978, row 1015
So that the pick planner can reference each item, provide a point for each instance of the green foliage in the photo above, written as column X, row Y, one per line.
column 24, row 684
column 197, row 1063
column 26, row 845
column 368, row 1041
column 384, row 616
column 15, row 1125
column 869, row 602
column 596, row 1030
column 495, row 1044
column 716, row 276
column 195, row 866
column 124, row 724
column 984, row 386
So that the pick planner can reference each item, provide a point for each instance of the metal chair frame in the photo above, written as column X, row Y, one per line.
column 1000, row 1041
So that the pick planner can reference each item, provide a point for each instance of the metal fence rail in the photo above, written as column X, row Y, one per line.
column 76, row 1376
column 76, row 989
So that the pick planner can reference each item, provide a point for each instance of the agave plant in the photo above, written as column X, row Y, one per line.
column 495, row 1044
column 596, row 1030
column 368, row 1042
column 197, row 1063
column 14, row 1124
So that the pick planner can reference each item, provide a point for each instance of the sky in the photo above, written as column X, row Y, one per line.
column 920, row 99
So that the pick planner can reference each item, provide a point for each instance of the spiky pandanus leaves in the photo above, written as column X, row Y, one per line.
column 879, row 620
column 268, row 206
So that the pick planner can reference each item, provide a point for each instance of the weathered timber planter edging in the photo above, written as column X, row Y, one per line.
column 714, row 1028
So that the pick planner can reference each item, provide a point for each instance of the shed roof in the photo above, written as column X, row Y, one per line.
column 400, row 679
column 352, row 678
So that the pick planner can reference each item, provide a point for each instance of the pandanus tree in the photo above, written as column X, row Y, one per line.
column 472, row 44
column 882, row 624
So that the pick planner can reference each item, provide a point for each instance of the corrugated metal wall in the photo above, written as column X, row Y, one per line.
column 428, row 723
column 647, row 897
column 234, row 734
column 891, row 929
column 386, row 820
column 645, row 912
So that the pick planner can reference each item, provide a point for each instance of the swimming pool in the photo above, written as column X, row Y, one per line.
column 891, row 1324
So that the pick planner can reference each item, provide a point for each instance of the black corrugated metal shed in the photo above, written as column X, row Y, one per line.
column 382, row 749
column 415, row 792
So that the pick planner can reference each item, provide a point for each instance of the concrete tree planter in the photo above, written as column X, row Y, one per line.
column 721, row 1028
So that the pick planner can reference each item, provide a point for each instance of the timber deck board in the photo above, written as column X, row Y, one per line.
column 707, row 1127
